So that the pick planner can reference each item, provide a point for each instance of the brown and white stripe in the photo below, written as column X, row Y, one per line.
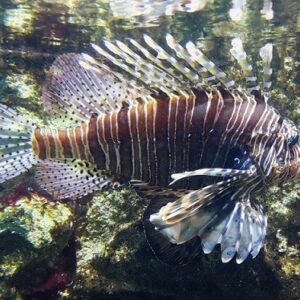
column 149, row 141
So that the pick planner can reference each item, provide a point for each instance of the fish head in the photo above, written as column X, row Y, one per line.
column 292, row 169
column 287, row 165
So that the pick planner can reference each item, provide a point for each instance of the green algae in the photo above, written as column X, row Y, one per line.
column 9, row 293
column 32, row 230
column 109, row 215
column 282, row 249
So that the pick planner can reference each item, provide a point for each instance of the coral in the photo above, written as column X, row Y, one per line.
column 9, row 293
column 111, row 215
column 32, row 230
column 114, row 258
column 282, row 249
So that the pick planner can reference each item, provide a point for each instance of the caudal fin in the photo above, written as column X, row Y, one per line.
column 16, row 155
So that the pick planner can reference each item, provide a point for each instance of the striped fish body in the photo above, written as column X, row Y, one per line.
column 172, row 118
column 150, row 141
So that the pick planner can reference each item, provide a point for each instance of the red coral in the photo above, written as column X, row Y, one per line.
column 23, row 191
column 57, row 279
column 19, row 192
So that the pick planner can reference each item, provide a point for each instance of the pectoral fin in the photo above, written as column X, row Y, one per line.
column 220, row 213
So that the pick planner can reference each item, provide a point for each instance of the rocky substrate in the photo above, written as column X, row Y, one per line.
column 104, row 254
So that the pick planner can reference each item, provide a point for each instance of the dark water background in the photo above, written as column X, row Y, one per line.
column 33, row 33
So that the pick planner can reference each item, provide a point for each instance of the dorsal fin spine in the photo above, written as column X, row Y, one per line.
column 140, row 72
column 184, row 70
column 203, row 61
column 238, row 52
column 266, row 54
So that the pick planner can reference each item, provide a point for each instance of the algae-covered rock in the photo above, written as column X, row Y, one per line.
column 282, row 249
column 9, row 293
column 32, row 230
column 108, row 232
column 114, row 258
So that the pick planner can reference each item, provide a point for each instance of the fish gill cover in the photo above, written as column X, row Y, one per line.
column 186, row 103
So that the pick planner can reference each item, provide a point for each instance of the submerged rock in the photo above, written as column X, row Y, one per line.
column 33, row 232
column 282, row 245
column 108, row 233
column 115, row 260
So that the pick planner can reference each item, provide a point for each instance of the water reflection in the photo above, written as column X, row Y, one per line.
column 267, row 10
column 33, row 32
column 63, row 25
column 146, row 12
column 237, row 10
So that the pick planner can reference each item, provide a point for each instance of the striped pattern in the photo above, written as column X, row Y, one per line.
column 152, row 140
column 63, row 143
column 171, row 114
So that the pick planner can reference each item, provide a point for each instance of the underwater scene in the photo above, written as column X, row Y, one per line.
column 150, row 149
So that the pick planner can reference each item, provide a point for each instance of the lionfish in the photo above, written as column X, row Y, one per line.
column 173, row 125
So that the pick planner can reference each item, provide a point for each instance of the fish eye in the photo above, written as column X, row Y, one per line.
column 293, row 140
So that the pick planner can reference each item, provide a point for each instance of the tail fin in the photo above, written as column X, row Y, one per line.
column 16, row 155
column 219, row 214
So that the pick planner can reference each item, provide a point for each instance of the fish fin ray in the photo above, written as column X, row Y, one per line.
column 218, row 214
column 70, row 178
column 16, row 156
column 239, row 54
column 145, row 190
column 163, row 249
column 78, row 87
column 218, row 172
column 174, row 70
column 266, row 54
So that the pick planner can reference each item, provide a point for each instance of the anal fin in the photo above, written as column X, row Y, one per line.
column 70, row 178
